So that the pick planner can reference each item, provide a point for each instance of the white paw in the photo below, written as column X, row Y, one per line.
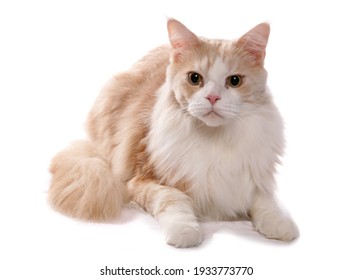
column 277, row 227
column 184, row 235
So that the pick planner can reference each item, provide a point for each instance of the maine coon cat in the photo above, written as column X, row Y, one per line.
column 189, row 133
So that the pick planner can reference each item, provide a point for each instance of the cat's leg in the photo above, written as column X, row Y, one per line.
column 270, row 220
column 172, row 208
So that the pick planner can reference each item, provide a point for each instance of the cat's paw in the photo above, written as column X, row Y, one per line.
column 184, row 235
column 277, row 227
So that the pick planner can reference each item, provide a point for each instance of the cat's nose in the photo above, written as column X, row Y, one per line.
column 213, row 98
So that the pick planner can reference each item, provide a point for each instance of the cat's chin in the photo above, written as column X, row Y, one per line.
column 213, row 119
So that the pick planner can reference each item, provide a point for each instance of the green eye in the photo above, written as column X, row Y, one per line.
column 194, row 78
column 234, row 81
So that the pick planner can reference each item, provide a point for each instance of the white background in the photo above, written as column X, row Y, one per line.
column 54, row 58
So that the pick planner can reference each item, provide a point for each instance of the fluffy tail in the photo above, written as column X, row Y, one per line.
column 83, row 185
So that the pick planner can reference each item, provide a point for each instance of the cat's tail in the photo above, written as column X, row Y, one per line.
column 83, row 185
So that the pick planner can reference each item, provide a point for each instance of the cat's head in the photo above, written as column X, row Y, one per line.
column 217, row 81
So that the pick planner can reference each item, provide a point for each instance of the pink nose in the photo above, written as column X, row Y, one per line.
column 213, row 98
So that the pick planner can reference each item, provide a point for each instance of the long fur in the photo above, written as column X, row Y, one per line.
column 157, row 140
column 83, row 184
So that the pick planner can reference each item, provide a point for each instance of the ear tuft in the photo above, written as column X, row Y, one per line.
column 180, row 37
column 255, row 41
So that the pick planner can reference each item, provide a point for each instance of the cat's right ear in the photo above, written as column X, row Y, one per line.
column 181, row 39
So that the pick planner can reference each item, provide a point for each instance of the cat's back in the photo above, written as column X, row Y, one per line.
column 126, row 102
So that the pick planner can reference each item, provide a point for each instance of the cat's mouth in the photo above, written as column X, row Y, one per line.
column 213, row 118
column 213, row 114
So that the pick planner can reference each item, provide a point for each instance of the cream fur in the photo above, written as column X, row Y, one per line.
column 157, row 140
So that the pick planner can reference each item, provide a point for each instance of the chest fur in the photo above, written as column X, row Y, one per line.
column 221, row 168
column 221, row 181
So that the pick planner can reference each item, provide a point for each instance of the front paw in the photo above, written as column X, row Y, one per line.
column 277, row 227
column 184, row 235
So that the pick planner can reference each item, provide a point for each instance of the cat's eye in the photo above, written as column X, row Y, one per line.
column 234, row 81
column 195, row 78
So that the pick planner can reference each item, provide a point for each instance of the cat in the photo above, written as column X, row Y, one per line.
column 190, row 133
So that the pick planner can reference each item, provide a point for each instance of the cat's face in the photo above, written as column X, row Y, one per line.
column 216, row 81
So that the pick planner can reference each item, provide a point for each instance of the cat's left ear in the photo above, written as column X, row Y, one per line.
column 255, row 41
column 181, row 39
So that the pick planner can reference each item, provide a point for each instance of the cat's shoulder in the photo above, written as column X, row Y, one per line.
column 156, row 59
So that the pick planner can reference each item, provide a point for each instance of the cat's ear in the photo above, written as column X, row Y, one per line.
column 181, row 39
column 255, row 41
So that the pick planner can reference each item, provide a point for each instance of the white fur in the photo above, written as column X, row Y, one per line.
column 223, row 143
column 180, row 225
column 214, row 146
column 226, row 152
column 177, row 220
column 227, row 108
column 230, row 169
column 270, row 220
column 225, row 165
